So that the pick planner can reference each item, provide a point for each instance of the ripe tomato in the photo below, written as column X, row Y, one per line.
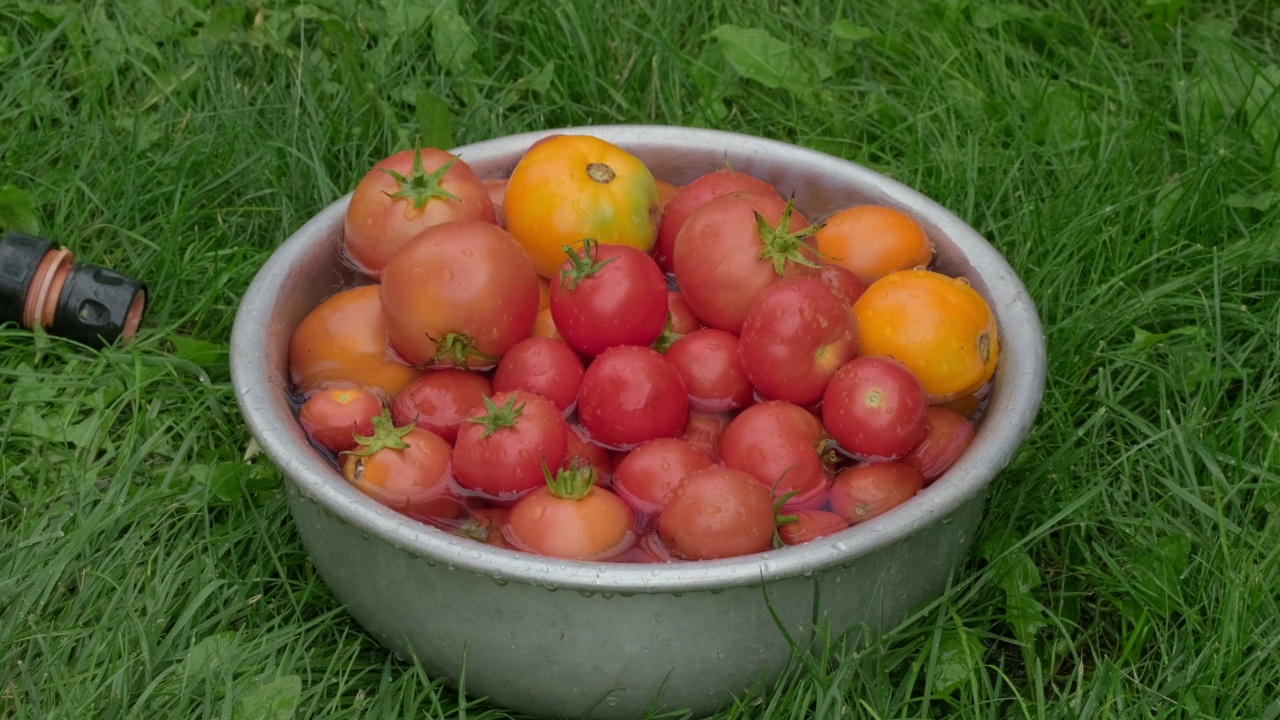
column 501, row 453
column 459, row 294
column 710, row 365
column 717, row 512
column 875, row 408
column 842, row 282
column 865, row 491
column 569, row 187
column 694, row 195
column 570, row 518
column 683, row 321
column 631, row 394
column 544, row 326
column 343, row 343
column 405, row 194
column 734, row 246
column 652, row 471
column 797, row 333
column 705, row 429
column 332, row 418
column 497, row 188
column 874, row 241
column 607, row 295
column 781, row 445
column 441, row 401
column 947, row 434
column 938, row 326
column 666, row 191
column 543, row 366
column 405, row 468
column 801, row 526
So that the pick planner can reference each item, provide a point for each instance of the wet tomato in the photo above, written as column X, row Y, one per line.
column 694, row 195
column 543, row 366
column 865, row 491
column 683, row 321
column 631, row 394
column 571, row 518
column 711, row 367
column 405, row 468
column 873, row 241
column 501, row 452
column 332, row 418
column 608, row 295
column 875, row 408
column 652, row 471
column 781, row 445
column 441, row 401
column 947, row 434
column 717, row 512
column 801, row 526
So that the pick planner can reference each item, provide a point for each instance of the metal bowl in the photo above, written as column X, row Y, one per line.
column 583, row 639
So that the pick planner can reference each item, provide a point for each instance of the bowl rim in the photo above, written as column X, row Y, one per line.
column 1015, row 401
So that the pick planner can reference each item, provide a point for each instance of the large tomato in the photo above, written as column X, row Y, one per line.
column 694, row 195
column 569, row 187
column 734, row 246
column 459, row 294
column 343, row 343
column 607, row 295
column 404, row 194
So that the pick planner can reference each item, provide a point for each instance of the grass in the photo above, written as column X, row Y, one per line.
column 1122, row 155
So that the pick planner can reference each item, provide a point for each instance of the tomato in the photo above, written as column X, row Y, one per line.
column 459, row 294
column 694, row 195
column 544, row 294
column 938, row 326
column 332, row 418
column 581, row 449
column 501, row 453
column 543, row 366
column 405, row 194
column 781, row 445
column 710, row 365
column 734, row 246
column 717, row 512
column 569, row 187
column 874, row 241
column 875, row 408
column 343, row 343
column 570, row 518
column 865, row 491
column 405, row 468
column 608, row 295
column 842, row 282
column 705, row 429
column 683, row 321
column 652, row 471
column 947, row 434
column 485, row 525
column 801, row 526
column 544, row 326
column 497, row 188
column 797, row 333
column 631, row 394
column 666, row 191
column 441, row 401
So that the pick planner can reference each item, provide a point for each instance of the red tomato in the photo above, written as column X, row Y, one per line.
column 717, row 512
column 947, row 435
column 607, row 295
column 705, row 429
column 405, row 194
column 332, row 418
column 875, row 408
column 441, row 400
column 502, row 452
column 652, row 471
column 343, row 342
column 733, row 247
column 583, row 450
column 781, row 446
column 543, row 366
column 570, row 518
column 801, row 526
column 459, row 294
column 683, row 321
column 631, row 394
column 865, row 491
column 406, row 468
column 695, row 195
column 843, row 282
column 710, row 365
column 797, row 333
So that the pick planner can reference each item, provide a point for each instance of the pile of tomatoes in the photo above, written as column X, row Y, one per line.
column 586, row 362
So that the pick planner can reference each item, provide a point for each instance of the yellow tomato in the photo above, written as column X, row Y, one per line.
column 570, row 187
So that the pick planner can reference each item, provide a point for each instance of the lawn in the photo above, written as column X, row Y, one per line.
column 1121, row 154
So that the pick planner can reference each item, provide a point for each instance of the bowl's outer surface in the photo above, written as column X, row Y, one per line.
column 571, row 639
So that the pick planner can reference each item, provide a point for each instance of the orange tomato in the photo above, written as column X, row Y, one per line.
column 938, row 326
column 666, row 191
column 570, row 187
column 873, row 241
column 343, row 342
column 545, row 326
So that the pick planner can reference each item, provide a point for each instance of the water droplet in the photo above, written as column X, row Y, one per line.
column 467, row 252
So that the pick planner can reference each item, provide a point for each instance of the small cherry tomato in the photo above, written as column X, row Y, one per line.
column 501, row 452
column 405, row 194
column 631, row 394
column 332, row 418
column 947, row 434
column 781, row 445
column 608, row 295
column 717, row 512
column 801, row 526
column 874, row 408
column 653, row 470
column 694, row 195
column 405, row 468
column 711, row 367
column 543, row 366
column 865, row 491
column 570, row 518
column 441, row 401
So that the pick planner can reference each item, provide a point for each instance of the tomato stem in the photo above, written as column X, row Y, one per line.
column 581, row 266
column 781, row 245
column 601, row 173
column 385, row 436
column 571, row 482
column 668, row 336
column 421, row 187
column 456, row 349
column 497, row 418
